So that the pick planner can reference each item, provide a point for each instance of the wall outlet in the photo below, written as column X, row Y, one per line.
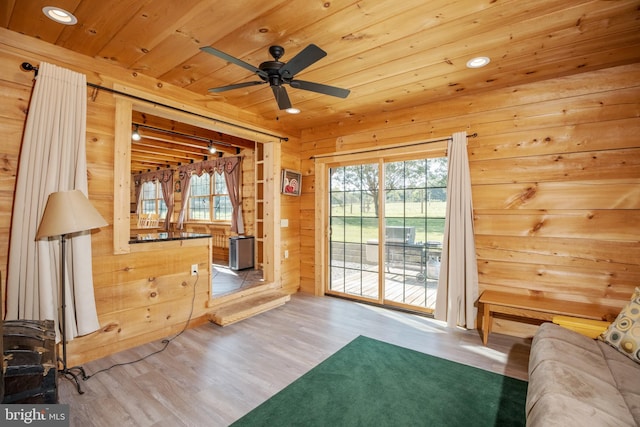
column 286, row 253
column 194, row 269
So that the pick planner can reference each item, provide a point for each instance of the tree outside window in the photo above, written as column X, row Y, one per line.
column 152, row 201
column 209, row 199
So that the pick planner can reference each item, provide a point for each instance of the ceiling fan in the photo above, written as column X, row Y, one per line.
column 278, row 73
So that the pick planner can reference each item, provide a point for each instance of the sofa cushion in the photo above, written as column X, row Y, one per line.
column 568, row 347
column 624, row 333
column 557, row 410
column 571, row 384
column 627, row 377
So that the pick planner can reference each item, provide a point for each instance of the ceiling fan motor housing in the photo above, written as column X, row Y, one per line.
column 272, row 68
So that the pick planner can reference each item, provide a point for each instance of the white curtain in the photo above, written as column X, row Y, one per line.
column 52, row 158
column 458, row 281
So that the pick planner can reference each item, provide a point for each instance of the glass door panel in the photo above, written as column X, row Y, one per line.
column 414, row 225
column 354, row 231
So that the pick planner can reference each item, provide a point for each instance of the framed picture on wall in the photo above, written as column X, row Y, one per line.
column 291, row 182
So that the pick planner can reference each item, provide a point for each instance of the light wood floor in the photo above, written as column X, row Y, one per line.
column 211, row 376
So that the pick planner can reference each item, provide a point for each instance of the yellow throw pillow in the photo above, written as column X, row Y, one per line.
column 624, row 333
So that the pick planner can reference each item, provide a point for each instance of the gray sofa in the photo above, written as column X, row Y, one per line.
column 579, row 381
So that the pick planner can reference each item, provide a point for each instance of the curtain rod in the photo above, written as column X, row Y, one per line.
column 371, row 150
column 25, row 66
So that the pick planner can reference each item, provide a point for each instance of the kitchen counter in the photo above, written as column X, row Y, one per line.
column 166, row 236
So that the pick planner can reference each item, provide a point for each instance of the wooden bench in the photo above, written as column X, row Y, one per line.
column 536, row 307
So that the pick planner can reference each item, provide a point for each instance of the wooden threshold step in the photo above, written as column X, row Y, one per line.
column 248, row 306
column 225, row 299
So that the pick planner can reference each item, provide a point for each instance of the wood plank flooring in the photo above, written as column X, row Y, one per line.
column 211, row 376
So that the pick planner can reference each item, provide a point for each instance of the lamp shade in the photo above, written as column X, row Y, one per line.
column 68, row 212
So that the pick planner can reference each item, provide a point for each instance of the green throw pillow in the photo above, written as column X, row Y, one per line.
column 624, row 333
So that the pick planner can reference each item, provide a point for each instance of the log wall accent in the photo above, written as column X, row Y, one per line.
column 555, row 174
column 219, row 240
column 146, row 294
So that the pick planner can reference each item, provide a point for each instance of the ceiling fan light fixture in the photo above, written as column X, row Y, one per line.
column 293, row 110
column 59, row 15
column 135, row 135
column 478, row 62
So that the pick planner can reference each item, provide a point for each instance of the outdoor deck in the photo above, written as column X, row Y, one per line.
column 405, row 284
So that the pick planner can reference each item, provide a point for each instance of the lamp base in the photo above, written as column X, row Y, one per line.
column 69, row 374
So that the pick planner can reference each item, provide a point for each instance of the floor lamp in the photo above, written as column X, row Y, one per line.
column 68, row 212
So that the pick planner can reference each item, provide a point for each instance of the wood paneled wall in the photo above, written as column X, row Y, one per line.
column 290, row 212
column 555, row 173
column 144, row 295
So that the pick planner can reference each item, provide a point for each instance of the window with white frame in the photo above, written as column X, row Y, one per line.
column 152, row 201
column 209, row 198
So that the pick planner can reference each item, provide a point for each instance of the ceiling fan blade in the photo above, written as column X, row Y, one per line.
column 233, row 60
column 282, row 98
column 320, row 88
column 302, row 60
column 235, row 86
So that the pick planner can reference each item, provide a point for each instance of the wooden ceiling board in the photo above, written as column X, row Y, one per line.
column 159, row 146
column 180, row 143
column 146, row 29
column 26, row 17
column 397, row 59
column 338, row 62
column 529, row 67
column 98, row 23
column 204, row 29
column 392, row 55
column 265, row 30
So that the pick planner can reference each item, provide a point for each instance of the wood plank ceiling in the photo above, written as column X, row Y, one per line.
column 167, row 143
column 390, row 54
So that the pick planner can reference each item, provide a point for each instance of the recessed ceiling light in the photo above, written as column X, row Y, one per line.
column 478, row 62
column 293, row 110
column 59, row 15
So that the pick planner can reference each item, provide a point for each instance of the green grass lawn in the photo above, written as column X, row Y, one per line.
column 349, row 224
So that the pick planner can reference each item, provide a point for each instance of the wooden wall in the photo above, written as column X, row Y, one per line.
column 555, row 174
column 144, row 295
column 555, row 171
column 290, row 213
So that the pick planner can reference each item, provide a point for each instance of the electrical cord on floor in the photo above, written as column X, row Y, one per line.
column 166, row 342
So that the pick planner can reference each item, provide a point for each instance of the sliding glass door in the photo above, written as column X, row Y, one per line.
column 385, row 245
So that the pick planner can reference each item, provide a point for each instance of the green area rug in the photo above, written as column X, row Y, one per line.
column 372, row 383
